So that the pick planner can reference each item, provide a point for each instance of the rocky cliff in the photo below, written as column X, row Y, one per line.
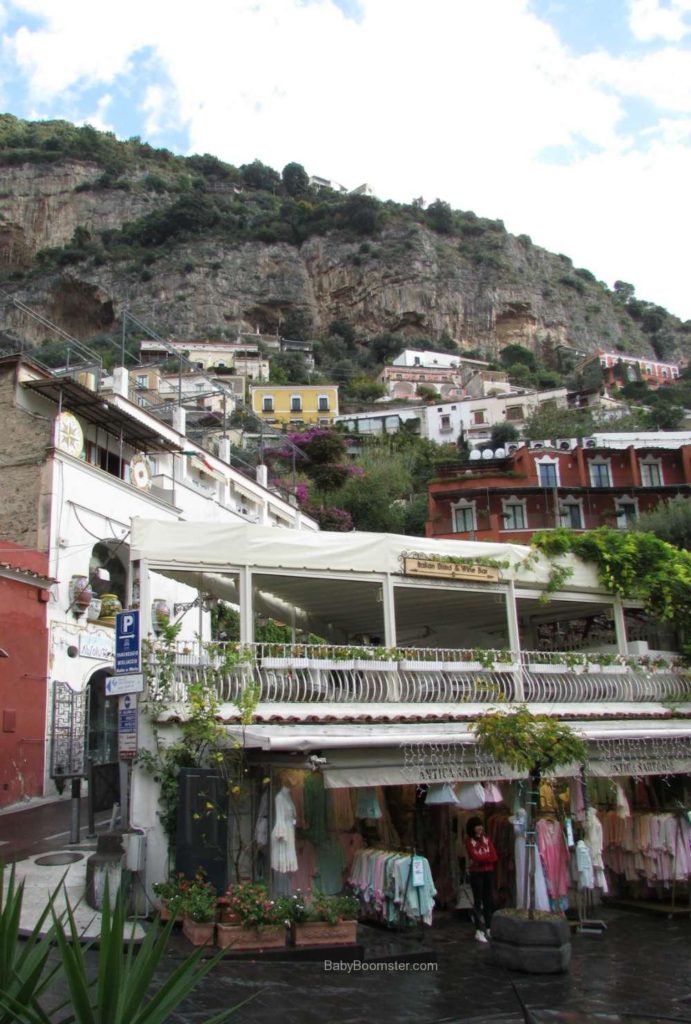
column 478, row 286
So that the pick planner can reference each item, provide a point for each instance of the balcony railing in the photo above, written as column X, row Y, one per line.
column 298, row 674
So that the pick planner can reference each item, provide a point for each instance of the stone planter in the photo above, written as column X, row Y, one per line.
column 542, row 946
column 321, row 933
column 199, row 933
column 233, row 936
column 462, row 666
column 550, row 668
column 373, row 665
column 613, row 670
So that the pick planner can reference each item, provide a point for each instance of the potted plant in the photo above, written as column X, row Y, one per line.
column 530, row 940
column 251, row 918
column 198, row 909
column 170, row 894
column 325, row 921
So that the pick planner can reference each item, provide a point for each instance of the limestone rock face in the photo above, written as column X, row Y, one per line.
column 408, row 280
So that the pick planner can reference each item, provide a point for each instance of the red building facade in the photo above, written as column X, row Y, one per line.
column 540, row 485
column 23, row 666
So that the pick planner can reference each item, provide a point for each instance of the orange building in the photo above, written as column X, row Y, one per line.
column 579, row 483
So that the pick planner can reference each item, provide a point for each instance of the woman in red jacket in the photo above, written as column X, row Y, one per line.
column 482, row 857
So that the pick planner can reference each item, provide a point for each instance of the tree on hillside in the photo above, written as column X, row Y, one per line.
column 295, row 179
column 670, row 521
column 259, row 176
column 512, row 354
column 439, row 216
column 553, row 421
column 501, row 433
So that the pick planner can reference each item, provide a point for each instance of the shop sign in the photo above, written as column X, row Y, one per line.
column 124, row 684
column 638, row 766
column 456, row 772
column 96, row 645
column 440, row 568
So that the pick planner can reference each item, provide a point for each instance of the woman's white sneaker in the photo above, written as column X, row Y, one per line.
column 480, row 936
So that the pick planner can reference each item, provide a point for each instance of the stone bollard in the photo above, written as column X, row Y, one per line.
column 105, row 867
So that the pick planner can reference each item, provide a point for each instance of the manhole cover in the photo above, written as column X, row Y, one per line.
column 54, row 859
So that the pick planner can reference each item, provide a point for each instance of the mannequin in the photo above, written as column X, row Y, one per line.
column 283, row 855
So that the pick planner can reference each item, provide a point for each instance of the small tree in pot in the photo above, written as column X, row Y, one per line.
column 537, row 744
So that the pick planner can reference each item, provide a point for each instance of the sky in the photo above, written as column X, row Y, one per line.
column 570, row 120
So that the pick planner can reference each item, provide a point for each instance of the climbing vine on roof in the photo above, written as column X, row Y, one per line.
column 632, row 565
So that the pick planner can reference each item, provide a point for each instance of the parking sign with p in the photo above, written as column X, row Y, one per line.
column 128, row 658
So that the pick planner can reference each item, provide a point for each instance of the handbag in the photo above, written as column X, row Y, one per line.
column 464, row 898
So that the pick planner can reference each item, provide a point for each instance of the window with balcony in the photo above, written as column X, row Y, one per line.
column 445, row 424
column 571, row 513
column 548, row 473
column 323, row 403
column 478, row 416
column 600, row 473
column 142, row 380
column 267, row 403
column 463, row 517
column 651, row 472
column 295, row 403
column 626, row 511
column 514, row 412
column 514, row 514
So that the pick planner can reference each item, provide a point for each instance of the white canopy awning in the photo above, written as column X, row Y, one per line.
column 215, row 547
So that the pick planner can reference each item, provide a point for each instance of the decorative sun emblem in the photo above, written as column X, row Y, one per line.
column 70, row 438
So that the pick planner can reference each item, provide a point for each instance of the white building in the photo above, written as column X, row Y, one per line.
column 78, row 466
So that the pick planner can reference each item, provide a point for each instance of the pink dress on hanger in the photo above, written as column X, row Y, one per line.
column 555, row 857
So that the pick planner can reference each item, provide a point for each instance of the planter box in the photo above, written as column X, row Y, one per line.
column 331, row 663
column 542, row 946
column 462, row 666
column 232, row 936
column 320, row 933
column 372, row 665
column 199, row 933
column 549, row 668
column 421, row 666
column 614, row 670
column 285, row 662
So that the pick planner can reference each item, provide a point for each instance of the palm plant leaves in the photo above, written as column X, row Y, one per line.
column 124, row 978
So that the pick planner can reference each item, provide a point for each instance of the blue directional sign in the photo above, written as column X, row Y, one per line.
column 128, row 655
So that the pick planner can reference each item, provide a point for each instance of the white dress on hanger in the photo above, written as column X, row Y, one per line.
column 283, row 855
column 519, row 820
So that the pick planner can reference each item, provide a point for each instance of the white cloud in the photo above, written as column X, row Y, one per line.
column 451, row 100
column 650, row 20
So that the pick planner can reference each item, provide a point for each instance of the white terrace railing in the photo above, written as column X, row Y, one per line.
column 300, row 673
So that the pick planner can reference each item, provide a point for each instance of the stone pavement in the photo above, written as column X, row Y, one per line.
column 639, row 966
column 638, row 970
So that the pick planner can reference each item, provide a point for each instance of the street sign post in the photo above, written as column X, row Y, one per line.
column 128, row 650
column 127, row 726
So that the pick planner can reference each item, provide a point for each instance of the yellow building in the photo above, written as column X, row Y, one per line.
column 295, row 404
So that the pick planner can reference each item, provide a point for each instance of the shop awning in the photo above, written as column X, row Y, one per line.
column 399, row 754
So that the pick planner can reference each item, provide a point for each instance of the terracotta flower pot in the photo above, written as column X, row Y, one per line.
column 233, row 936
column 199, row 933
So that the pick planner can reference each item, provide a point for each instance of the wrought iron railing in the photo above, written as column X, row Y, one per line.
column 300, row 673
